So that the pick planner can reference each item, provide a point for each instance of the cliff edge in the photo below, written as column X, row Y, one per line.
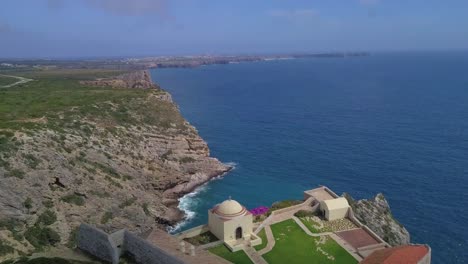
column 376, row 214
column 114, row 152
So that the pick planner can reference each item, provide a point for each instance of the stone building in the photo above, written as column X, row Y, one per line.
column 232, row 223
column 334, row 209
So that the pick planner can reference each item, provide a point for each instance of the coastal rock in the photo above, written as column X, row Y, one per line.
column 112, row 175
column 376, row 214
column 134, row 80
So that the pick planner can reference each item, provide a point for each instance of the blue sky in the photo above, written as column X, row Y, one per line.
column 76, row 28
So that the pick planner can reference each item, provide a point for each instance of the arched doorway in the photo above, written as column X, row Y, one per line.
column 239, row 233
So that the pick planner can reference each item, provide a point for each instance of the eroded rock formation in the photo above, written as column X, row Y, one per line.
column 376, row 214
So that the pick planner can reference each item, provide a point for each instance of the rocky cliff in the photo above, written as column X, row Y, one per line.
column 113, row 157
column 376, row 214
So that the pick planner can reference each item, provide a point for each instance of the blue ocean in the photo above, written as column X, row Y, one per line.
column 395, row 123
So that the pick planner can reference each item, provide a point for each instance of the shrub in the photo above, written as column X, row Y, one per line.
column 16, row 173
column 47, row 218
column 74, row 199
column 5, row 248
column 48, row 203
column 31, row 160
column 202, row 239
column 72, row 239
column 127, row 202
column 187, row 160
column 28, row 203
column 40, row 237
column 106, row 217
column 303, row 213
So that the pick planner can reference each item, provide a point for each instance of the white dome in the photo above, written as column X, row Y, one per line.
column 229, row 208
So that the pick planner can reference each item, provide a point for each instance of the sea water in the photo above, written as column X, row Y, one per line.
column 395, row 123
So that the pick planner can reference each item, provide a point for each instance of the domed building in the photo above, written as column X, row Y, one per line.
column 232, row 223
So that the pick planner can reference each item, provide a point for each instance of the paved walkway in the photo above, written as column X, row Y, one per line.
column 346, row 246
column 254, row 255
column 20, row 80
column 270, row 241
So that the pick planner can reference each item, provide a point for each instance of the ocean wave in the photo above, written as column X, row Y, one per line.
column 188, row 202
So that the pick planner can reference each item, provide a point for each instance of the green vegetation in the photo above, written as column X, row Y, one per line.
column 238, row 257
column 72, row 239
column 262, row 235
column 14, row 226
column 31, row 160
column 106, row 217
column 40, row 237
column 127, row 202
column 5, row 248
column 28, row 203
column 44, row 261
column 48, row 203
column 7, row 80
column 187, row 159
column 74, row 199
column 56, row 100
column 15, row 173
column 283, row 204
column 202, row 239
column 304, row 213
column 47, row 218
column 291, row 240
column 310, row 224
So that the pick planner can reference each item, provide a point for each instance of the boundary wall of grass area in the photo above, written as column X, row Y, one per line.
column 111, row 247
column 358, row 223
column 195, row 231
column 211, row 245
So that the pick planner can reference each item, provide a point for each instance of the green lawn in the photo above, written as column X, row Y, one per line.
column 238, row 257
column 294, row 246
column 262, row 235
column 309, row 223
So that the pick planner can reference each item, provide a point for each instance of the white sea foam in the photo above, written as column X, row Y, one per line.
column 188, row 202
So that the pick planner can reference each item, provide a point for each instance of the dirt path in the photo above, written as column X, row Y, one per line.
column 21, row 80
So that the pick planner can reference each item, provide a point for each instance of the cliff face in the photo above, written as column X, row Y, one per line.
column 376, row 214
column 118, row 163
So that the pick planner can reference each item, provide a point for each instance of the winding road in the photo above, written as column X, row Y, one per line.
column 21, row 80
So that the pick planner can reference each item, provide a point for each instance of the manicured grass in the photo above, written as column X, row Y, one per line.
column 309, row 223
column 262, row 235
column 294, row 246
column 238, row 257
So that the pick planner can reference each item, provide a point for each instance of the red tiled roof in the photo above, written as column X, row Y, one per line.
column 397, row 255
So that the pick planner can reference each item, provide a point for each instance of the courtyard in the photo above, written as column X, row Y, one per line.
column 291, row 240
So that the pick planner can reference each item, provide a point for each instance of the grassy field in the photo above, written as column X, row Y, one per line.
column 6, row 80
column 62, row 100
column 294, row 246
column 238, row 257
column 262, row 235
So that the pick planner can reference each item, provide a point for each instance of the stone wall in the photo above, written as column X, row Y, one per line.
column 144, row 252
column 97, row 243
column 109, row 248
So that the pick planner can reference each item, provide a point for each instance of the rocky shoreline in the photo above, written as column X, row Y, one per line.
column 121, row 162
